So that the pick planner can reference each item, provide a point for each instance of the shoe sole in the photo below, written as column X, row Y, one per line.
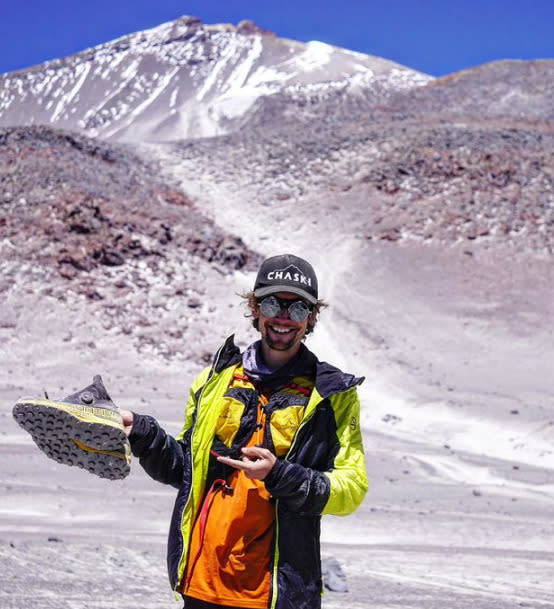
column 90, row 437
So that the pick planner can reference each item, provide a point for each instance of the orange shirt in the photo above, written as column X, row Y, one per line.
column 229, row 560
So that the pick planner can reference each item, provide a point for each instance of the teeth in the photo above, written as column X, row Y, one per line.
column 281, row 330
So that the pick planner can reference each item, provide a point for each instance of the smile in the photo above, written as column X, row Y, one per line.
column 281, row 330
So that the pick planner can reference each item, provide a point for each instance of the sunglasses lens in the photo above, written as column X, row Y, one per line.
column 270, row 307
column 299, row 311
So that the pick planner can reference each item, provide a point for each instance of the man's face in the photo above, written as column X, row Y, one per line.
column 280, row 332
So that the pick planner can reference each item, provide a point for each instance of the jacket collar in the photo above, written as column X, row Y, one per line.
column 227, row 355
column 328, row 378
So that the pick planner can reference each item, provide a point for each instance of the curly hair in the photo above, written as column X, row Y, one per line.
column 253, row 306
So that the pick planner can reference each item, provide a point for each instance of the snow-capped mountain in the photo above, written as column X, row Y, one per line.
column 184, row 79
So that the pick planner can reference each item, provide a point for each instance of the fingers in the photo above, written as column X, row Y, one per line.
column 256, row 452
column 232, row 462
column 256, row 462
column 127, row 417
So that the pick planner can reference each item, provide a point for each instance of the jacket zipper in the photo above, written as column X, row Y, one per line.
column 210, row 376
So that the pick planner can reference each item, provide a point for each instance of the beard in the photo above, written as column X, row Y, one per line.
column 279, row 343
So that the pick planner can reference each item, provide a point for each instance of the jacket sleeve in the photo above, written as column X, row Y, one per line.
column 162, row 456
column 301, row 489
column 348, row 476
column 340, row 489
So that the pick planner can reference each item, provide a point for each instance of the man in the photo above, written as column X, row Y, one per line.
column 271, row 441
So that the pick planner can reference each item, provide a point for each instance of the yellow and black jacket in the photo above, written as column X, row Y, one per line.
column 320, row 467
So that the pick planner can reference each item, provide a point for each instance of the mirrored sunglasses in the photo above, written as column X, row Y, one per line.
column 298, row 310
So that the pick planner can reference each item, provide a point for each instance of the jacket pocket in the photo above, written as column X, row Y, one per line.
column 283, row 426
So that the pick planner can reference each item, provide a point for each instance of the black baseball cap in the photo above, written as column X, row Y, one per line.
column 286, row 273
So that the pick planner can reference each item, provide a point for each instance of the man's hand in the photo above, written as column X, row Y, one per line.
column 127, row 417
column 256, row 462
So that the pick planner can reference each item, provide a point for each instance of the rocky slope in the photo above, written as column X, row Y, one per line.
column 518, row 90
column 82, row 219
column 403, row 181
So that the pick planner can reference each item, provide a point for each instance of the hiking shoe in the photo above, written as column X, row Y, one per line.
column 84, row 429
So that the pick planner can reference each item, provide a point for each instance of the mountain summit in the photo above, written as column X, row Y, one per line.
column 185, row 79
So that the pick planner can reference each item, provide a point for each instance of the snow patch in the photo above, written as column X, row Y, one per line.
column 81, row 71
column 316, row 56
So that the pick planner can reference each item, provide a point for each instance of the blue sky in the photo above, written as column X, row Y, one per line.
column 435, row 36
